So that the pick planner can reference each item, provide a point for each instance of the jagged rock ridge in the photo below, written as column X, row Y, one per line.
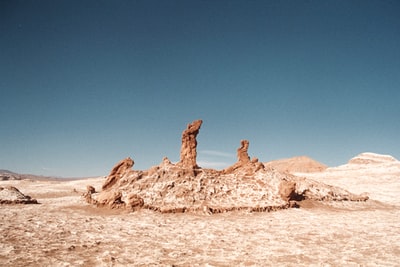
column 186, row 187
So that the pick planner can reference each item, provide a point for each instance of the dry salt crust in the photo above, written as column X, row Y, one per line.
column 65, row 231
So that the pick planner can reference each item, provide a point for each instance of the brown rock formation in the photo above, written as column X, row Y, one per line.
column 134, row 202
column 182, row 187
column 287, row 190
column 114, row 199
column 90, row 189
column 120, row 169
column 244, row 162
column 166, row 163
column 88, row 194
column 242, row 155
column 111, row 199
column 189, row 143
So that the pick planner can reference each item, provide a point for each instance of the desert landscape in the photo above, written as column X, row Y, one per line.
column 105, row 159
column 291, row 212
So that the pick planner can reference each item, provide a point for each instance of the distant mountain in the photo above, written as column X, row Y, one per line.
column 6, row 175
column 6, row 171
column 9, row 175
column 302, row 164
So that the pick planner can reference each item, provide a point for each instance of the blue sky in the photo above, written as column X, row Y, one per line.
column 86, row 83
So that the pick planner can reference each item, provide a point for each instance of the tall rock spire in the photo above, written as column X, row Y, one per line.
column 189, row 144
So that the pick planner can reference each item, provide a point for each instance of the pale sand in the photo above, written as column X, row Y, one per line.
column 64, row 231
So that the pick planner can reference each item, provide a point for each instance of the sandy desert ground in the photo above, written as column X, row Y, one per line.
column 65, row 231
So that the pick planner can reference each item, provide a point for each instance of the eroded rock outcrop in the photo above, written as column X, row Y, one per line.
column 90, row 189
column 11, row 195
column 121, row 169
column 243, row 161
column 114, row 199
column 242, row 154
column 185, row 187
column 287, row 190
column 189, row 144
column 134, row 202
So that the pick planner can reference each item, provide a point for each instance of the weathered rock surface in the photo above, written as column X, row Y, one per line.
column 243, row 161
column 11, row 195
column 121, row 169
column 185, row 187
column 242, row 154
column 134, row 202
column 287, row 190
column 189, row 144
column 91, row 189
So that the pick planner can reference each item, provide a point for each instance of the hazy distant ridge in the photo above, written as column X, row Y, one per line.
column 6, row 175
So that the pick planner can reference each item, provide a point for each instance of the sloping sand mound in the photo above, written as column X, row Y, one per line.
column 296, row 164
column 11, row 195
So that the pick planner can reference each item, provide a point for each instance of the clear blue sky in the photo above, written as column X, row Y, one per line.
column 84, row 84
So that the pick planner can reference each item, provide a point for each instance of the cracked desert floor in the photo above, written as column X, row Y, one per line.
column 65, row 231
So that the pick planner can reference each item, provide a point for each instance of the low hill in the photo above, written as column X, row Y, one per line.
column 6, row 175
column 9, row 175
column 302, row 164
